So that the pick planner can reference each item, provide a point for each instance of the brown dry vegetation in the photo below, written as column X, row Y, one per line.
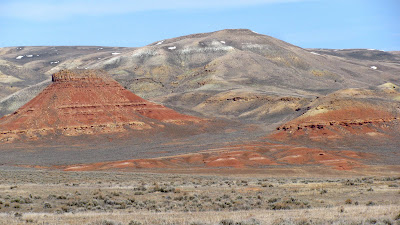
column 52, row 197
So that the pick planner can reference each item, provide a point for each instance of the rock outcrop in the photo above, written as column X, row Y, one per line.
column 339, row 119
column 86, row 102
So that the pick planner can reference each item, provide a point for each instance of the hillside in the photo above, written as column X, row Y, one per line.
column 268, row 99
column 86, row 102
column 207, row 72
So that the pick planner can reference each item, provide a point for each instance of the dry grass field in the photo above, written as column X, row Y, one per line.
column 54, row 197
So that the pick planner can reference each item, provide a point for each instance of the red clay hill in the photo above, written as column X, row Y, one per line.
column 346, row 118
column 86, row 102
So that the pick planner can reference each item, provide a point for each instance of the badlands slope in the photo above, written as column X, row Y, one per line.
column 276, row 104
column 228, row 73
column 86, row 102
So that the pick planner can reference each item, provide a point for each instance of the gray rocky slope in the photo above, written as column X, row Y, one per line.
column 228, row 73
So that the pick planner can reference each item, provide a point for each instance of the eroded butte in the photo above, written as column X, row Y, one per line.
column 86, row 102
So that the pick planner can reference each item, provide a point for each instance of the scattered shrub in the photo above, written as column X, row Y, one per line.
column 370, row 203
column 272, row 200
column 280, row 206
column 61, row 197
column 349, row 183
column 226, row 222
column 251, row 221
column 132, row 222
column 47, row 205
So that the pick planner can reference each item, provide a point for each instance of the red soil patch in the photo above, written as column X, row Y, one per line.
column 84, row 102
column 337, row 159
column 343, row 123
column 254, row 155
column 349, row 115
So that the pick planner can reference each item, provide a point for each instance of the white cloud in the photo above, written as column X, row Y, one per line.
column 44, row 10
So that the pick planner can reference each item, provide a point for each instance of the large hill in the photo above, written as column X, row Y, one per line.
column 86, row 102
column 316, row 98
column 207, row 73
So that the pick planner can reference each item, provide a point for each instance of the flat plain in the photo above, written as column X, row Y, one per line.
column 54, row 197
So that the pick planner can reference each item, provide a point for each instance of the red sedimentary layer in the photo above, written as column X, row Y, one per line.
column 86, row 102
column 241, row 156
column 337, row 124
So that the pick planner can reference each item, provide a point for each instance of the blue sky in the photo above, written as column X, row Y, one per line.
column 305, row 23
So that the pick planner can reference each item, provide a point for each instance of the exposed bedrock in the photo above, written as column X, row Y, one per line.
column 86, row 102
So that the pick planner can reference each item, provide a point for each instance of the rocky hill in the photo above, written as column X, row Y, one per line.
column 261, row 87
column 227, row 73
column 86, row 102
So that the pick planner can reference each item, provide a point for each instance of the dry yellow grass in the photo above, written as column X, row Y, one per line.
column 334, row 215
column 54, row 197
